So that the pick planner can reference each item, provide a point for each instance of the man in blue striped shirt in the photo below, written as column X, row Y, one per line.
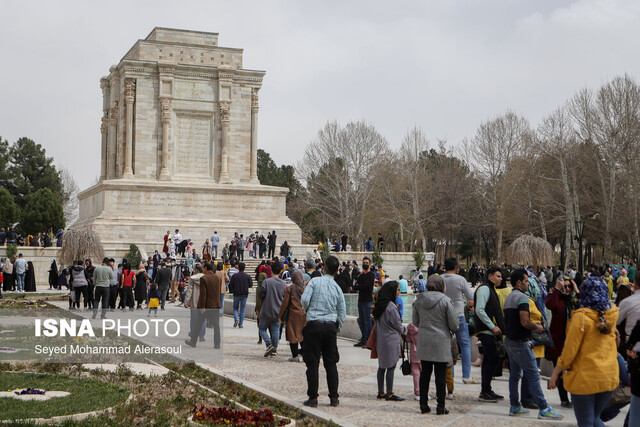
column 323, row 303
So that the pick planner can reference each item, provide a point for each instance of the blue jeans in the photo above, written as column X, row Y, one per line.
column 221, row 304
column 214, row 251
column 20, row 281
column 634, row 410
column 274, row 327
column 464, row 344
column 364, row 317
column 522, row 361
column 193, row 322
column 587, row 407
column 239, row 306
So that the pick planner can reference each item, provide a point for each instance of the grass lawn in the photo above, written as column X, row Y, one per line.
column 87, row 394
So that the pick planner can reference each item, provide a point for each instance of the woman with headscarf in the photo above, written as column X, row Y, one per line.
column 284, row 249
column 589, row 361
column 561, row 302
column 436, row 320
column 389, row 329
column 7, row 272
column 296, row 318
column 30, row 278
column 261, row 278
column 53, row 275
column 140, row 290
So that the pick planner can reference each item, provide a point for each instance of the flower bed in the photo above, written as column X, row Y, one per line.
column 217, row 416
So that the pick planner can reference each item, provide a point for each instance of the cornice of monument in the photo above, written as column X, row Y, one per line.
column 178, row 185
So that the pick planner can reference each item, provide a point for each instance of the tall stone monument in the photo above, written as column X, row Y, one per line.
column 179, row 146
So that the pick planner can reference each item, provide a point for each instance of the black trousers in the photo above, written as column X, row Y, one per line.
column 101, row 293
column 91, row 292
column 240, row 255
column 489, row 360
column 440, row 369
column 271, row 253
column 212, row 315
column 320, row 339
column 126, row 297
column 82, row 290
column 113, row 296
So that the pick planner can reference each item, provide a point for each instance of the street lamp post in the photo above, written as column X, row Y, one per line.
column 579, row 235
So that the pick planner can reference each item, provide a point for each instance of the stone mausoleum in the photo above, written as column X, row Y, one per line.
column 179, row 146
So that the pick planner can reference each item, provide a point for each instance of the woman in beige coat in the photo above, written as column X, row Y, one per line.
column 296, row 318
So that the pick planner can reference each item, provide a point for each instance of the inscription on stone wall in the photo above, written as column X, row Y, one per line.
column 155, row 203
column 194, row 145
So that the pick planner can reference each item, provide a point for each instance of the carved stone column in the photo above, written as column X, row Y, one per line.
column 165, row 105
column 225, row 108
column 129, row 97
column 254, row 135
column 104, row 127
column 113, row 135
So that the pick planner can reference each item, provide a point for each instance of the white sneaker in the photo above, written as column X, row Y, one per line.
column 450, row 396
column 417, row 397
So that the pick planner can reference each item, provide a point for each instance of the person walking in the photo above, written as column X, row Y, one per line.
column 102, row 276
column 436, row 319
column 191, row 302
column 589, row 359
column 324, row 306
column 458, row 290
column 53, row 275
column 163, row 279
column 272, row 293
column 80, row 283
column 364, row 286
column 389, row 331
column 208, row 306
column 292, row 314
column 239, row 286
column 522, row 360
column 271, row 239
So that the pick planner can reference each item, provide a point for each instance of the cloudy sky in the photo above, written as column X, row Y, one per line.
column 445, row 66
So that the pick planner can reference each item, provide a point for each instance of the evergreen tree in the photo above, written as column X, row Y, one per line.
column 43, row 211
column 29, row 170
column 9, row 211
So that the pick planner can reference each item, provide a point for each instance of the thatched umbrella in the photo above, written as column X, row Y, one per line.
column 81, row 244
column 528, row 249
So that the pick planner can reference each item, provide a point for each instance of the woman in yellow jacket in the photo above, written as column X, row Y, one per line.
column 589, row 357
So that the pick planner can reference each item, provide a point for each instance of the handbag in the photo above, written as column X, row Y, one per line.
column 501, row 349
column 285, row 315
column 543, row 337
column 372, row 342
column 406, row 365
column 621, row 395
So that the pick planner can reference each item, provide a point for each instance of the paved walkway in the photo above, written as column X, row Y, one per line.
column 243, row 361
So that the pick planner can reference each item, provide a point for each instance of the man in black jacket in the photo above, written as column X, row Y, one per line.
column 239, row 286
column 364, row 286
column 163, row 279
column 489, row 326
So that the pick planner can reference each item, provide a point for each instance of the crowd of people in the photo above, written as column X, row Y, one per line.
column 586, row 325
column 10, row 236
column 18, row 275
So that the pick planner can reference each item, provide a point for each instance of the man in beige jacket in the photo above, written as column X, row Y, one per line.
column 191, row 300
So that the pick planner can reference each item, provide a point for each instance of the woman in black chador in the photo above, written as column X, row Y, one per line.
column 30, row 278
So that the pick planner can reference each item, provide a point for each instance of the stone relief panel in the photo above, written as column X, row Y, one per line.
column 194, row 91
column 193, row 146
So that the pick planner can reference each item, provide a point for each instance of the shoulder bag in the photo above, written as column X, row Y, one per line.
column 406, row 365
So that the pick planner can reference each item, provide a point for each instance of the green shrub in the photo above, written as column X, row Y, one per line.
column 12, row 249
column 133, row 256
column 418, row 259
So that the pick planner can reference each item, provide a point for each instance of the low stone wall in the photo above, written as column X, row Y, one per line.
column 395, row 263
column 41, row 259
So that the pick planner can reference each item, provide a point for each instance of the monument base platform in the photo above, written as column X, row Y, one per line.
column 125, row 211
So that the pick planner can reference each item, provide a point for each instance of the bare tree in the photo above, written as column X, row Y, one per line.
column 338, row 169
column 609, row 120
column 491, row 151
column 69, row 196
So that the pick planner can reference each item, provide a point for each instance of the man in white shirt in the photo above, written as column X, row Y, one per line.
column 177, row 238
column 629, row 310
